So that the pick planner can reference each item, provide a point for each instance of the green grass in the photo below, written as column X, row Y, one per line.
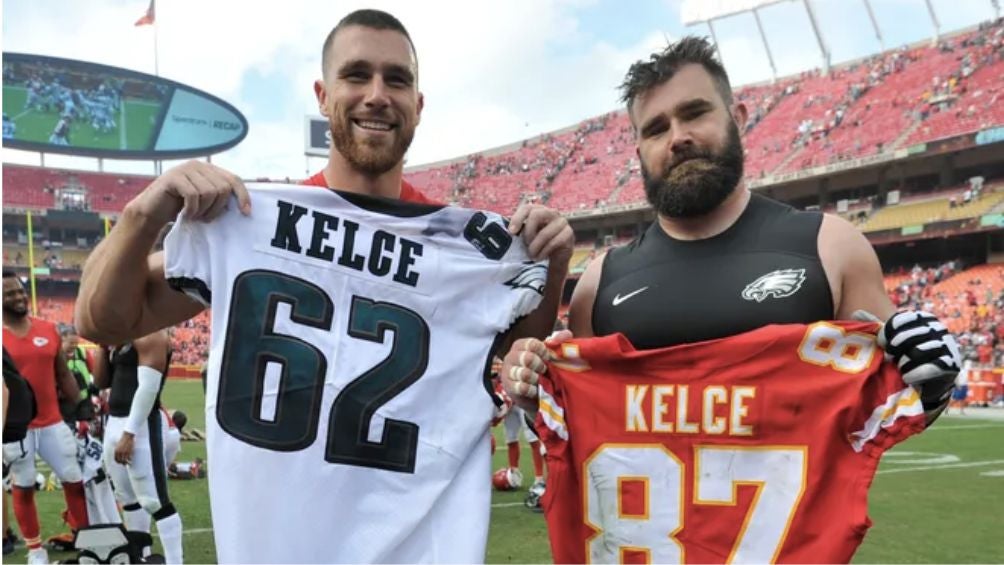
column 36, row 126
column 942, row 514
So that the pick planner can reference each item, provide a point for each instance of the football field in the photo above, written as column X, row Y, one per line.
column 133, row 128
column 937, row 498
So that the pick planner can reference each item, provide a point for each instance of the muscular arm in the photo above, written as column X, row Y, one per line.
column 152, row 350
column 64, row 379
column 853, row 270
column 123, row 292
column 580, row 311
column 102, row 370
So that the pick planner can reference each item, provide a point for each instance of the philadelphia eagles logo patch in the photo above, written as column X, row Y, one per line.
column 779, row 284
column 533, row 276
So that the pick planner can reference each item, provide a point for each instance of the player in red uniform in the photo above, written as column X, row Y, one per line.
column 34, row 345
column 720, row 260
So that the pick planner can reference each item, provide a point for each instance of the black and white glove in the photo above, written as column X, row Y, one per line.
column 921, row 347
column 926, row 354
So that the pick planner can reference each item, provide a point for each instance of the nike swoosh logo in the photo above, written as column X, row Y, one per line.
column 619, row 299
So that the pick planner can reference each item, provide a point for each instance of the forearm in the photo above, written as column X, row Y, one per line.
column 113, row 284
column 102, row 372
column 68, row 385
column 146, row 395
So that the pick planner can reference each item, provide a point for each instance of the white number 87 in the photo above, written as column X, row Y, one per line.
column 777, row 472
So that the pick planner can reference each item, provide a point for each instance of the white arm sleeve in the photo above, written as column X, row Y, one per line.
column 148, row 386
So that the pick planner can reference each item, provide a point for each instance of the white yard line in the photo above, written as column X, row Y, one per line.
column 947, row 466
column 963, row 427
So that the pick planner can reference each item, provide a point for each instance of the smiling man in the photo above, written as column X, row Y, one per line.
column 341, row 320
column 34, row 346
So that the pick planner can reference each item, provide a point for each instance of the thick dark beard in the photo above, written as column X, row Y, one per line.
column 16, row 314
column 373, row 161
column 689, row 194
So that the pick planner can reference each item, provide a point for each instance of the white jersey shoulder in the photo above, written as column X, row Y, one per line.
column 350, row 336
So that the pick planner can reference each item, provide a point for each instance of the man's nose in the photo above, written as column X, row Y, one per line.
column 377, row 95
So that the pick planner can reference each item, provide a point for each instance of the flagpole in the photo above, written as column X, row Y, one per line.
column 156, row 55
column 31, row 265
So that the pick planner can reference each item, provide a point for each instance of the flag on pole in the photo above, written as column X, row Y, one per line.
column 149, row 16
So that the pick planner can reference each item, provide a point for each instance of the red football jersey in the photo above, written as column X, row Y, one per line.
column 35, row 357
column 754, row 448
column 408, row 192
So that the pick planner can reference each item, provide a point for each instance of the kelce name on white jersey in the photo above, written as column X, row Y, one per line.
column 387, row 252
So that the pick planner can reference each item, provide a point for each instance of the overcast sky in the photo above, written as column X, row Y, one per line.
column 492, row 72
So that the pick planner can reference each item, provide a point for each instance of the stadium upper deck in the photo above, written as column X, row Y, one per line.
column 888, row 101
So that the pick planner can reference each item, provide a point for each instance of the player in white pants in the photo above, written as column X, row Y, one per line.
column 135, row 454
column 54, row 444
column 101, row 507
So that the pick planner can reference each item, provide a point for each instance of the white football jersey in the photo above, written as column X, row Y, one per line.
column 347, row 411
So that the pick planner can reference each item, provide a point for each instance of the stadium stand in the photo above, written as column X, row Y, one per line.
column 896, row 98
column 954, row 205
column 37, row 187
column 970, row 302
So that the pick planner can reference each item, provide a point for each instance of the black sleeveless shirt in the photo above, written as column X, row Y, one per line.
column 124, row 362
column 764, row 269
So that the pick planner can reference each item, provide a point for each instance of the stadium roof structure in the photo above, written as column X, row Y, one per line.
column 707, row 11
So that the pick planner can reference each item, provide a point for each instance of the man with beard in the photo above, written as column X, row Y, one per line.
column 35, row 347
column 467, row 261
column 718, row 261
column 369, row 93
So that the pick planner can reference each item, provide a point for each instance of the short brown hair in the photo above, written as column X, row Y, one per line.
column 661, row 66
column 373, row 19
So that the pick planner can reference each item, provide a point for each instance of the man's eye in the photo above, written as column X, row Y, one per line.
column 654, row 130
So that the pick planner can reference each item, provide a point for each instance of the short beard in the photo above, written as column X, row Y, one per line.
column 16, row 314
column 369, row 160
column 695, row 188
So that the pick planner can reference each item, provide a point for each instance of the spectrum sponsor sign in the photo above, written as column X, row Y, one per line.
column 317, row 136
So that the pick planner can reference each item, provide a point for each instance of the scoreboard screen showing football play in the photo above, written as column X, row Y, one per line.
column 54, row 105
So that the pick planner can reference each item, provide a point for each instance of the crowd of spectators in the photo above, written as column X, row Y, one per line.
column 975, row 312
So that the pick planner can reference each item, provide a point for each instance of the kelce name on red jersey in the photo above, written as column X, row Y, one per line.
column 723, row 410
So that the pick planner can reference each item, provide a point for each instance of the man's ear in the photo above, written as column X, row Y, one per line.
column 740, row 115
column 322, row 97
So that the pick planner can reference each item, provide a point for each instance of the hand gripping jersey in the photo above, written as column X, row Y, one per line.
column 347, row 408
column 750, row 449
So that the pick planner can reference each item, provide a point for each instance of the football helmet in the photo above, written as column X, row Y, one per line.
column 507, row 478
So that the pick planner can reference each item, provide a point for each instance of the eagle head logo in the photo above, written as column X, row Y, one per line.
column 779, row 284
column 532, row 276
